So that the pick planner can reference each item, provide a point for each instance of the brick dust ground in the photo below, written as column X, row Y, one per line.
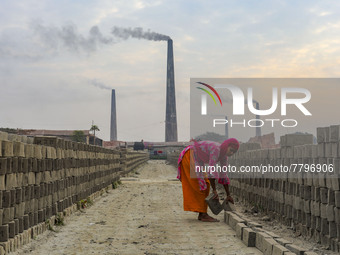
column 144, row 215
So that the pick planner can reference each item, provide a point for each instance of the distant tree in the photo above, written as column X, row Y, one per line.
column 94, row 128
column 9, row 130
column 78, row 136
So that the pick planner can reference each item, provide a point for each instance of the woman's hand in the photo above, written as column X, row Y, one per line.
column 230, row 199
column 215, row 195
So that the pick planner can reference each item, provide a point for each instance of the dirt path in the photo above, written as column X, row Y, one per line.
column 143, row 216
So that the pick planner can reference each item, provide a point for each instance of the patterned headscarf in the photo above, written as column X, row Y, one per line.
column 232, row 142
column 223, row 149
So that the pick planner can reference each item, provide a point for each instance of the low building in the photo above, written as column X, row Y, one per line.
column 64, row 134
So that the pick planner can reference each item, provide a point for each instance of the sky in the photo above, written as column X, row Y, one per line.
column 60, row 59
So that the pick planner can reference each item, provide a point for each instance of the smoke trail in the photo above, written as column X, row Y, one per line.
column 138, row 32
column 69, row 37
column 99, row 84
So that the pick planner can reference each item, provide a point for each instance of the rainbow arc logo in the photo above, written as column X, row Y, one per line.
column 209, row 93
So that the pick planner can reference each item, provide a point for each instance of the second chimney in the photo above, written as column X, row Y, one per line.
column 170, row 115
column 113, row 128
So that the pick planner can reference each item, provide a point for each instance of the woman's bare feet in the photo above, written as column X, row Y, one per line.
column 206, row 218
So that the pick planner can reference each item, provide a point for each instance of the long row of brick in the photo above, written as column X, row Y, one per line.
column 307, row 201
column 40, row 180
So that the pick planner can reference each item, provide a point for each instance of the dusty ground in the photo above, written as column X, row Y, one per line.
column 143, row 216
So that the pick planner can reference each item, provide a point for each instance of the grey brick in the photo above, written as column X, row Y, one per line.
column 239, row 229
column 259, row 240
column 7, row 149
column 3, row 165
column 321, row 150
column 335, row 183
column 328, row 150
column 296, row 249
column 337, row 198
column 4, row 233
column 11, row 181
column 267, row 246
column 334, row 150
column 337, row 215
column 26, row 222
column 324, row 227
column 282, row 241
column 323, row 211
column 331, row 197
column 279, row 250
column 321, row 134
column 233, row 220
column 6, row 198
column 249, row 237
column 330, row 212
column 334, row 133
column 307, row 208
column 332, row 229
column 324, row 195
column 11, row 227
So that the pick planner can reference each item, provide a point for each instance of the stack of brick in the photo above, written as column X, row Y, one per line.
column 172, row 157
column 42, row 177
column 135, row 159
column 249, row 146
column 307, row 200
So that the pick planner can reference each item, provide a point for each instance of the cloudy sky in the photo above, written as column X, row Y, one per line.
column 59, row 59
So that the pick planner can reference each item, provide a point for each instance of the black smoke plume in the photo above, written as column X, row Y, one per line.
column 126, row 33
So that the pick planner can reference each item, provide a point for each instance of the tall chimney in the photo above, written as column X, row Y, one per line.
column 258, row 129
column 170, row 118
column 113, row 129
